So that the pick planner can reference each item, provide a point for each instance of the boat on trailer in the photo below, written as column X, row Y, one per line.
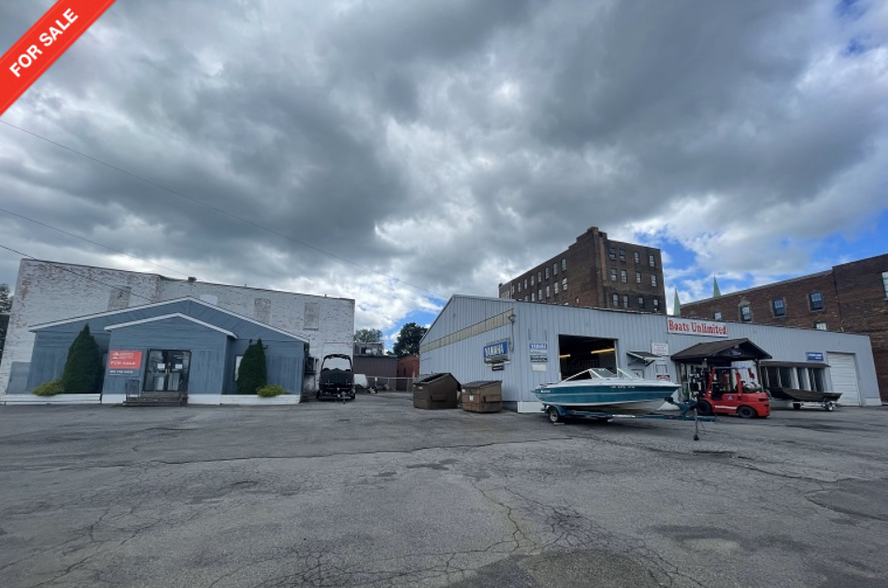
column 602, row 390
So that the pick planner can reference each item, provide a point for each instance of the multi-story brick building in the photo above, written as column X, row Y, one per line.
column 852, row 297
column 595, row 272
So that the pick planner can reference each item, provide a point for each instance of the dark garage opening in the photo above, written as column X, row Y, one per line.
column 576, row 354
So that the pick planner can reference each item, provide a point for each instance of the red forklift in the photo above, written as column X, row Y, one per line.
column 729, row 391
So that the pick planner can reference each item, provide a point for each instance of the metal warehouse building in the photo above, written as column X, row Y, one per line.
column 525, row 344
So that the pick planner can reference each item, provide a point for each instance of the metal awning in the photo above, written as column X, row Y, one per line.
column 793, row 364
column 724, row 351
column 644, row 356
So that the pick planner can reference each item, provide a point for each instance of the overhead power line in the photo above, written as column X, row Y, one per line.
column 220, row 210
column 64, row 232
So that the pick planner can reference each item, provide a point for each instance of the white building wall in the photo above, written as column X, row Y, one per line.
column 632, row 331
column 48, row 291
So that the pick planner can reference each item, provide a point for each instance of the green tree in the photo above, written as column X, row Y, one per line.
column 83, row 368
column 408, row 339
column 368, row 336
column 5, row 309
column 253, row 372
column 5, row 299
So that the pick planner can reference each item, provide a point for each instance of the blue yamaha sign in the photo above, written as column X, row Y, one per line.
column 814, row 356
column 498, row 351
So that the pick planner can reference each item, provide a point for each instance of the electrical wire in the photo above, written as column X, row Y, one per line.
column 64, row 232
column 112, row 286
column 222, row 211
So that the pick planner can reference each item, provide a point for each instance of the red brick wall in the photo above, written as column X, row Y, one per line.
column 588, row 275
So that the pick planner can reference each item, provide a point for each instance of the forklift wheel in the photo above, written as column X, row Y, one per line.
column 704, row 408
column 746, row 412
column 554, row 417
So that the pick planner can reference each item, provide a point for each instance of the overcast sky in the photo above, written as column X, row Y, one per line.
column 398, row 152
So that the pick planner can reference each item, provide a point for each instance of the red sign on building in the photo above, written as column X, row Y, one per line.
column 124, row 363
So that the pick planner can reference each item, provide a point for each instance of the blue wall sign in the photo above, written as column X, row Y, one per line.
column 498, row 351
column 814, row 356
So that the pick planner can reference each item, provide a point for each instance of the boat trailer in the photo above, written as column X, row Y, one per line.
column 557, row 413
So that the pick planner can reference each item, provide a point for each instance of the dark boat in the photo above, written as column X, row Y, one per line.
column 826, row 399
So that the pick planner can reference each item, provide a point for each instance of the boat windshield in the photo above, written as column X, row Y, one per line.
column 603, row 374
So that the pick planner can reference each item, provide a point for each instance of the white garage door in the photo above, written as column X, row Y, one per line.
column 844, row 377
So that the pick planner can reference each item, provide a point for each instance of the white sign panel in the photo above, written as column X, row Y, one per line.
column 683, row 326
column 661, row 349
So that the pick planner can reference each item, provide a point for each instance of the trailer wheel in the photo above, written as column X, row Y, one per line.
column 745, row 412
column 829, row 406
column 554, row 417
column 704, row 408
column 797, row 405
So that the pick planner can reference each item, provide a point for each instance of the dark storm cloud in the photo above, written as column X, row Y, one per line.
column 447, row 144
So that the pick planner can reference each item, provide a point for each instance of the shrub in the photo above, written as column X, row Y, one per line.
column 270, row 391
column 49, row 388
column 83, row 368
column 252, row 374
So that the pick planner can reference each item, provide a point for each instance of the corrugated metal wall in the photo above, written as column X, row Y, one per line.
column 543, row 323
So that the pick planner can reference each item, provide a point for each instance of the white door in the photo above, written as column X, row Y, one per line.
column 843, row 372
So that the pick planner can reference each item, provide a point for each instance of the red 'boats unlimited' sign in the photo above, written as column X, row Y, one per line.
column 681, row 326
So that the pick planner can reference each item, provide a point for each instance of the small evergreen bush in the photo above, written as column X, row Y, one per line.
column 270, row 391
column 253, row 373
column 83, row 368
column 49, row 388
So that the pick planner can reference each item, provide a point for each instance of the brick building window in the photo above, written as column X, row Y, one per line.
column 540, row 294
column 533, row 297
column 820, row 326
column 654, row 280
column 622, row 255
column 539, row 276
column 815, row 301
column 525, row 283
column 532, row 281
column 745, row 313
column 564, row 285
column 563, row 264
column 651, row 260
column 885, row 283
column 717, row 315
column 778, row 307
column 625, row 301
column 613, row 275
column 637, row 277
column 611, row 253
column 548, row 292
column 556, row 286
column 555, row 269
column 641, row 302
column 519, row 286
column 656, row 303
column 624, row 277
column 616, row 302
column 636, row 256
column 547, row 272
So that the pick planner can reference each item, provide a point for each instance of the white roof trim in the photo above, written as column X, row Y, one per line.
column 172, row 301
column 154, row 319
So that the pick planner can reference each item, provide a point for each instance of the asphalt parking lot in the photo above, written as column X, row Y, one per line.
column 376, row 493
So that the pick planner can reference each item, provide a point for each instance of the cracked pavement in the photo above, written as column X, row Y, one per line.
column 376, row 493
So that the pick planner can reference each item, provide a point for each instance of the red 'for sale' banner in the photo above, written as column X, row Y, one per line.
column 43, row 44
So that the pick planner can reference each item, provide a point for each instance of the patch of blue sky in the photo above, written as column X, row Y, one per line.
column 858, row 45
column 851, row 9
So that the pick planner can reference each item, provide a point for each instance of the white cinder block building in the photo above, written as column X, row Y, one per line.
column 47, row 291
column 525, row 344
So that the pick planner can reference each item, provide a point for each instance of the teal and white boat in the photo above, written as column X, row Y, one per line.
column 601, row 390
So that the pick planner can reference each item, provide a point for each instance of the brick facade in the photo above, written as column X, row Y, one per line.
column 853, row 300
column 595, row 270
